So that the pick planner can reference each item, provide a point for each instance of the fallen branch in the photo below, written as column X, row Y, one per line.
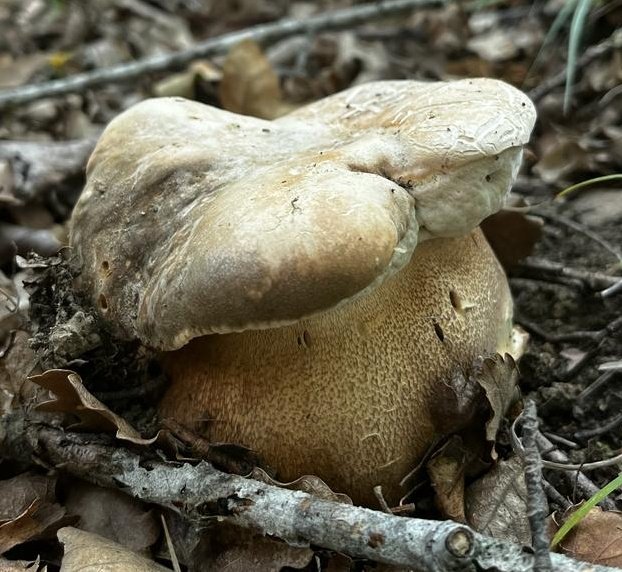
column 203, row 494
column 264, row 33
column 537, row 507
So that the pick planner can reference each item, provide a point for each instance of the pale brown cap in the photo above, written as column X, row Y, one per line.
column 196, row 221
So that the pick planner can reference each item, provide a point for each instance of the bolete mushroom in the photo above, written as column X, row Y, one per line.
column 313, row 281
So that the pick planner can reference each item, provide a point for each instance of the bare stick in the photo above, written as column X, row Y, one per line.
column 572, row 472
column 203, row 494
column 265, row 33
column 537, row 507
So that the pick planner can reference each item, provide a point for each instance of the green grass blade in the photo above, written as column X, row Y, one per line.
column 589, row 182
column 577, row 516
column 560, row 20
column 576, row 32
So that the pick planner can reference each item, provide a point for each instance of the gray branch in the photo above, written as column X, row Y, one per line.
column 537, row 507
column 264, row 33
column 202, row 494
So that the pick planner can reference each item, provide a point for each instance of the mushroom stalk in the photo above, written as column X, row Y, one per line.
column 353, row 395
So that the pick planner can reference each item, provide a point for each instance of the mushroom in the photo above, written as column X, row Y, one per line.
column 312, row 281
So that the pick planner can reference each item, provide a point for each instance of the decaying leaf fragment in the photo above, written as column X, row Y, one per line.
column 310, row 484
column 493, row 374
column 72, row 397
column 250, row 85
column 28, row 510
column 112, row 514
column 232, row 549
column 87, row 552
column 596, row 539
column 496, row 504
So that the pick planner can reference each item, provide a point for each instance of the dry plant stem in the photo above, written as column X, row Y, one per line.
column 590, row 55
column 537, row 507
column 203, row 494
column 264, row 33
column 595, row 335
column 574, row 476
column 555, row 496
column 538, row 267
column 615, row 289
column 609, row 425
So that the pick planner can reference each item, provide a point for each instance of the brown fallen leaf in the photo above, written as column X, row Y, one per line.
column 87, row 552
column 250, row 85
column 113, row 515
column 446, row 472
column 307, row 484
column 231, row 549
column 497, row 376
column 16, row 365
column 73, row 397
column 512, row 235
column 28, row 510
column 596, row 539
column 496, row 504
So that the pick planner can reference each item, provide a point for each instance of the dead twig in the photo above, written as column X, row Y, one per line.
column 537, row 507
column 203, row 494
column 610, row 329
column 571, row 472
column 264, row 33
column 554, row 272
column 609, row 425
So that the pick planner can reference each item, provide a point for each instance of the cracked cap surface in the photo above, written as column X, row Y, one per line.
column 195, row 220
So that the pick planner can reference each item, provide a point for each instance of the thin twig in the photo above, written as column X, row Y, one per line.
column 264, row 33
column 555, row 496
column 611, row 462
column 204, row 495
column 614, row 289
column 537, row 507
column 590, row 55
column 595, row 386
column 553, row 270
column 609, row 425
column 571, row 472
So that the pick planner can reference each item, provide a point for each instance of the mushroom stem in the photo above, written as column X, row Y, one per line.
column 353, row 394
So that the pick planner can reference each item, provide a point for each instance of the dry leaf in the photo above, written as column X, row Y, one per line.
column 497, row 376
column 28, row 510
column 249, row 84
column 113, row 515
column 496, row 504
column 512, row 235
column 87, row 552
column 16, row 365
column 596, row 539
column 307, row 484
column 446, row 472
column 232, row 549
column 73, row 397
column 599, row 207
column 20, row 566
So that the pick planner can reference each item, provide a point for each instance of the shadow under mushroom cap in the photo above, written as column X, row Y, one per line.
column 195, row 220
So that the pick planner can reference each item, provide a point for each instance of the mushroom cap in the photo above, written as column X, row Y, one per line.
column 195, row 220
